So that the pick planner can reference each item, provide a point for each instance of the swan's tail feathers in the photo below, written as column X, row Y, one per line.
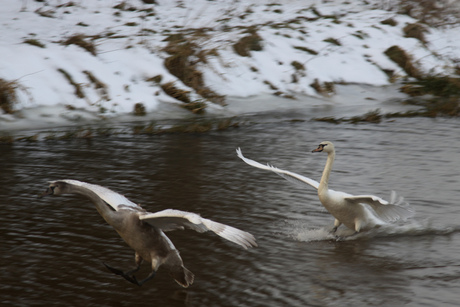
column 396, row 209
column 182, row 275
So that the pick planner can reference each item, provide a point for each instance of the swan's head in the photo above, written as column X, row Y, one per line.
column 325, row 146
column 56, row 188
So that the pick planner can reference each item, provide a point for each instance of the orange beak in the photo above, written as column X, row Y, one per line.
column 319, row 149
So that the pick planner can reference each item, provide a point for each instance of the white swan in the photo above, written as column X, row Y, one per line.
column 144, row 231
column 357, row 212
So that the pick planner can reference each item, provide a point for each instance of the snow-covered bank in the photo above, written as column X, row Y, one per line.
column 290, row 45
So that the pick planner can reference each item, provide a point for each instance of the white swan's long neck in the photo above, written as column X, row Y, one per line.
column 324, row 183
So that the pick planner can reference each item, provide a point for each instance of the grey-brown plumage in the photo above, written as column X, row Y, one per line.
column 144, row 231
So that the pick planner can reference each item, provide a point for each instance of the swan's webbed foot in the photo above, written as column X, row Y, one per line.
column 126, row 275
column 150, row 276
column 343, row 238
column 129, row 275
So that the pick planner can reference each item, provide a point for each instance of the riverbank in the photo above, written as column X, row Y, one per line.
column 128, row 61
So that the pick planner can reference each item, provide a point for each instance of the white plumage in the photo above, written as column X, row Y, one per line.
column 357, row 212
column 171, row 219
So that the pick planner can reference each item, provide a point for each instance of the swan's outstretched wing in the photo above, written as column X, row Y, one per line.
column 171, row 219
column 114, row 199
column 289, row 176
column 395, row 209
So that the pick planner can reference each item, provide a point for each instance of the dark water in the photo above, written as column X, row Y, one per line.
column 52, row 249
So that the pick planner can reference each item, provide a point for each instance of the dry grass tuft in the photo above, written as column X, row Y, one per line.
column 438, row 86
column 333, row 41
column 197, row 106
column 81, row 41
column 400, row 57
column 248, row 43
column 8, row 95
column 430, row 12
column 78, row 90
column 34, row 42
column 184, row 57
column 326, row 89
column 139, row 109
column 389, row 21
column 155, row 79
column 307, row 50
column 175, row 92
column 415, row 30
column 98, row 85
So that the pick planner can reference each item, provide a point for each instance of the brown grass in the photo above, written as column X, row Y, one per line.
column 433, row 13
column 248, row 43
column 197, row 107
column 8, row 95
column 98, row 84
column 139, row 109
column 34, row 42
column 308, row 50
column 389, row 21
column 78, row 90
column 441, row 86
column 175, row 92
column 326, row 88
column 155, row 79
column 415, row 30
column 333, row 41
column 400, row 57
column 297, row 65
column 184, row 57
column 81, row 40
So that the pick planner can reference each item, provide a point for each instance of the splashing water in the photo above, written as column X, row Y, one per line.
column 299, row 231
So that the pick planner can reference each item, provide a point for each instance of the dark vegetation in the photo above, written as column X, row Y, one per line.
column 139, row 109
column 326, row 89
column 433, row 13
column 308, row 50
column 389, row 21
column 415, row 30
column 8, row 96
column 34, row 42
column 248, row 43
column 176, row 93
column 400, row 57
column 82, row 41
column 441, row 98
column 100, row 86
column 333, row 41
column 431, row 108
column 198, row 125
column 441, row 86
column 78, row 89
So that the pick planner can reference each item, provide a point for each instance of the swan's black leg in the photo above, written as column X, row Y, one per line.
column 126, row 275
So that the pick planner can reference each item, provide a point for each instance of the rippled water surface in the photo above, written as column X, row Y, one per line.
column 52, row 249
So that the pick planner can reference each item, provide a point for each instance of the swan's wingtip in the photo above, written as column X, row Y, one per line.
column 238, row 152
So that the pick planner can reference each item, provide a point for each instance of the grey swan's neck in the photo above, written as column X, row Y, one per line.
column 104, row 209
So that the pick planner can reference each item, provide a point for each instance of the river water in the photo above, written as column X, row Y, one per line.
column 52, row 249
